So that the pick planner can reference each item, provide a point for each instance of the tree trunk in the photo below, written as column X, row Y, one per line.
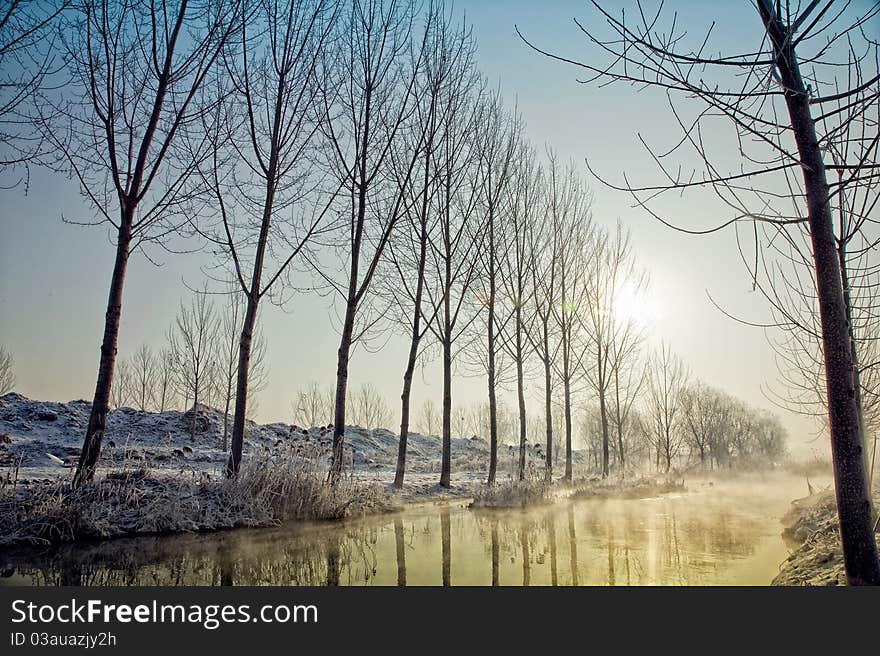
column 341, row 389
column 446, row 457
column 847, row 439
column 520, row 382
column 241, row 388
column 619, row 422
column 567, row 390
column 91, row 450
column 404, row 414
column 603, row 414
column 490, row 330
column 548, row 409
column 857, row 379
column 415, row 337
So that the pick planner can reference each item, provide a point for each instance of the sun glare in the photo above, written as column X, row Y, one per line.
column 635, row 305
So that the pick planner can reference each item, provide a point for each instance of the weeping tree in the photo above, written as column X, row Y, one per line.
column 782, row 98
column 134, row 71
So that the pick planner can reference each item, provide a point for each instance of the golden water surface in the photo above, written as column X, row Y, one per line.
column 725, row 532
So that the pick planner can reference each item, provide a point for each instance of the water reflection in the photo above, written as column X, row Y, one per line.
column 708, row 536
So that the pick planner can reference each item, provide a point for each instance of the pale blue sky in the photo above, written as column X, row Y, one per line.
column 54, row 276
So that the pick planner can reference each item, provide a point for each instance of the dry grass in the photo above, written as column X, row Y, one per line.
column 628, row 489
column 271, row 487
column 514, row 494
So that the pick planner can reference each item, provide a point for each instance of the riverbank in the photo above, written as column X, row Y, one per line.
column 142, row 501
column 811, row 527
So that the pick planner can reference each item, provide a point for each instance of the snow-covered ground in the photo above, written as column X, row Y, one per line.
column 43, row 439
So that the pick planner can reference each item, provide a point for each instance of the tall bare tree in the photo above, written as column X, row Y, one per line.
column 568, row 206
column 453, row 259
column 262, row 173
column 368, row 103
column 135, row 72
column 611, row 279
column 518, row 283
column 446, row 75
column 496, row 144
column 225, row 347
column 544, row 243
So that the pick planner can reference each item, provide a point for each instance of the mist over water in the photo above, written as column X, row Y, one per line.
column 718, row 532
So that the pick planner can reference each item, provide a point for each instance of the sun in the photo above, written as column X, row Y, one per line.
column 635, row 305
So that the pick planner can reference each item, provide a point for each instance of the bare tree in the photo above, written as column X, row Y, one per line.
column 368, row 407
column 166, row 372
column 143, row 374
column 428, row 418
column 262, row 174
column 611, row 336
column 191, row 337
column 452, row 257
column 544, row 244
column 518, row 283
column 368, row 102
column 496, row 144
column 122, row 391
column 7, row 371
column 780, row 116
column 313, row 405
column 667, row 381
column 571, row 221
column 135, row 72
column 447, row 74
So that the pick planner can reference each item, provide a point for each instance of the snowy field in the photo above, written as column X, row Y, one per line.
column 42, row 440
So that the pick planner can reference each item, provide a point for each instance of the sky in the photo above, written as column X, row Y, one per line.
column 54, row 275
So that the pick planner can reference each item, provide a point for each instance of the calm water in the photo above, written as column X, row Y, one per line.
column 726, row 533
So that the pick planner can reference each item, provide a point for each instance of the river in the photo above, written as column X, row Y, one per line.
column 723, row 532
